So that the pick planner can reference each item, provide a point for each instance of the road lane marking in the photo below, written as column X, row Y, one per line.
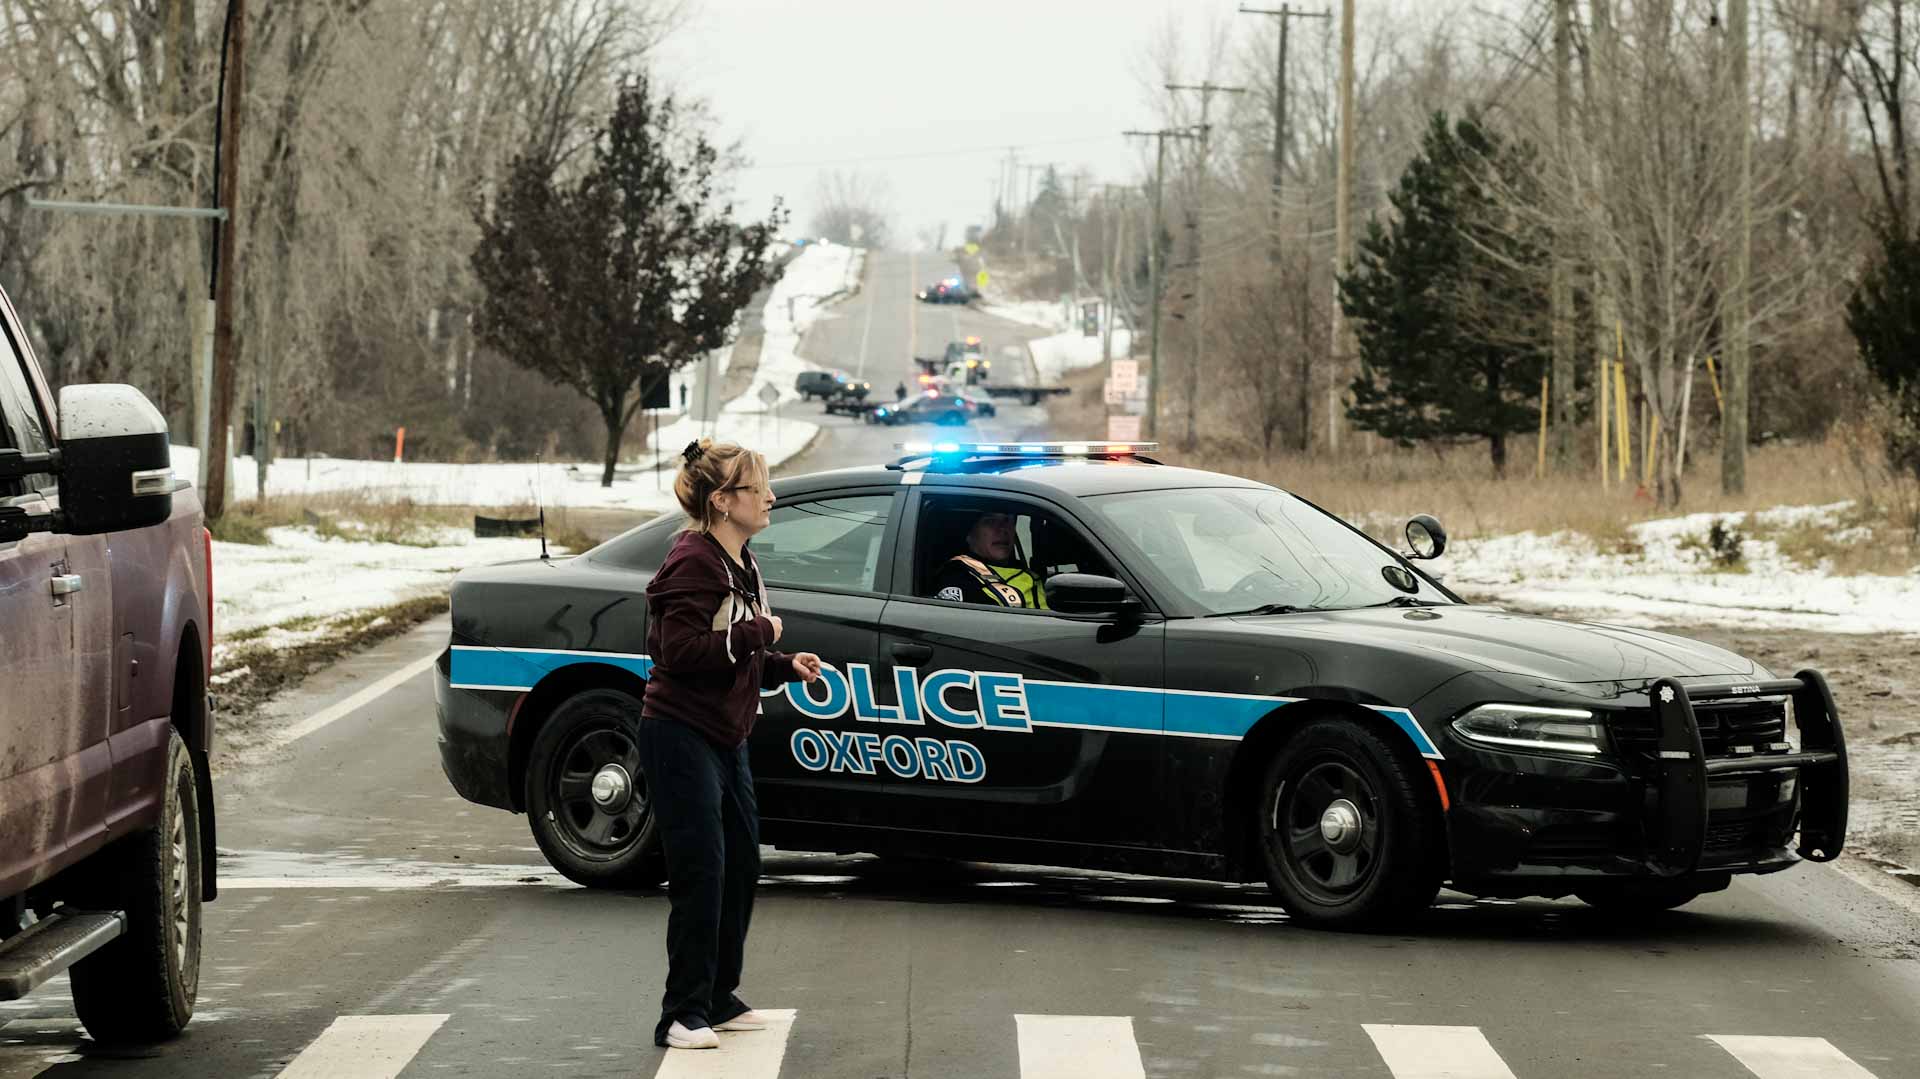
column 364, row 1047
column 359, row 700
column 1415, row 1052
column 743, row 1054
column 44, row 1043
column 1790, row 1058
column 1076, row 1046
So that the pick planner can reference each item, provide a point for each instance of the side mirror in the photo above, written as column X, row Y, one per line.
column 1087, row 593
column 116, row 467
column 1426, row 537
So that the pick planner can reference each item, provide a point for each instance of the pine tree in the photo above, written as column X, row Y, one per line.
column 1884, row 315
column 610, row 282
column 1450, row 300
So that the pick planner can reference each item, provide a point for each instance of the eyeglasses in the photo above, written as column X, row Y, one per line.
column 742, row 487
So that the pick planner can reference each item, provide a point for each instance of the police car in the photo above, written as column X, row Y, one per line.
column 1224, row 682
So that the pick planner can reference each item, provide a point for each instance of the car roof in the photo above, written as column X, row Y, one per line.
column 1075, row 478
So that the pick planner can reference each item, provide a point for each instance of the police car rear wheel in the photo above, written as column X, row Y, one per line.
column 586, row 795
column 1344, row 836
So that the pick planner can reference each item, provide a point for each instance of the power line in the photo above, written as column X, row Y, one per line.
column 998, row 149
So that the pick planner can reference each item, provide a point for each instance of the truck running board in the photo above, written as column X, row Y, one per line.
column 51, row 945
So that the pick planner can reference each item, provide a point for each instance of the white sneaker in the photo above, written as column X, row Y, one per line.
column 679, row 1037
column 747, row 1020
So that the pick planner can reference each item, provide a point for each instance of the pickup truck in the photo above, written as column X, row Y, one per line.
column 106, row 636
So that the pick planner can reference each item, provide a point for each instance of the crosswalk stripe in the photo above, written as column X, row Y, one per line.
column 1075, row 1046
column 363, row 1047
column 1790, row 1058
column 1414, row 1052
column 744, row 1054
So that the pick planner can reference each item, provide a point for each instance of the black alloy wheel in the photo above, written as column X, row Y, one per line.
column 587, row 797
column 1346, row 833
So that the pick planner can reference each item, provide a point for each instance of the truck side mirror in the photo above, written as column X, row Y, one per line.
column 116, row 467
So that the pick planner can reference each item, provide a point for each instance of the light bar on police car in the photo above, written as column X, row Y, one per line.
column 1027, row 449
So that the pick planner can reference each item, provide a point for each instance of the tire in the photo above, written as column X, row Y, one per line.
column 598, row 844
column 1648, row 896
column 141, row 987
column 1389, row 864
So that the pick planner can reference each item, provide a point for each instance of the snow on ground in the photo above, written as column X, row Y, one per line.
column 812, row 283
column 1051, row 314
column 1672, row 578
column 821, row 271
column 305, row 579
column 1054, row 357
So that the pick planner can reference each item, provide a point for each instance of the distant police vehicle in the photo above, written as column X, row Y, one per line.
column 1213, row 678
column 946, row 408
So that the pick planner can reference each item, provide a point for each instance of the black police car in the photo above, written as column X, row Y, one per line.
column 1226, row 683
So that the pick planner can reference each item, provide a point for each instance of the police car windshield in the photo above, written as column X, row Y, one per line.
column 1240, row 550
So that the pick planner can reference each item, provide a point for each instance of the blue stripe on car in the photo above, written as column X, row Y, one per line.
column 1120, row 709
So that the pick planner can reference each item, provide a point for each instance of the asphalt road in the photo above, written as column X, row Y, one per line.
column 373, row 924
column 875, row 335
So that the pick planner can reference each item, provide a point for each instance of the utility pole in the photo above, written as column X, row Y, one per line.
column 232, row 99
column 1342, row 225
column 1560, row 288
column 1206, row 91
column 1286, row 15
column 1733, row 450
column 1154, row 272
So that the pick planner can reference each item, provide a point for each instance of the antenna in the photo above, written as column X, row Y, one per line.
column 540, row 508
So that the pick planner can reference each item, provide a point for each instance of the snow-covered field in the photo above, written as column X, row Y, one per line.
column 1066, row 350
column 307, row 580
column 1672, row 577
column 821, row 271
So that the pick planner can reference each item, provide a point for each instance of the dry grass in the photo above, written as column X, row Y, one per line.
column 1377, row 486
column 403, row 522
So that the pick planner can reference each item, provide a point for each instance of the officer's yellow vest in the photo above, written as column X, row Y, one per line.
column 1015, row 587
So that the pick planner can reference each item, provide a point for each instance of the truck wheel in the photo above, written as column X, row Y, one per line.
column 142, row 986
column 1345, row 837
column 1648, row 896
column 586, row 797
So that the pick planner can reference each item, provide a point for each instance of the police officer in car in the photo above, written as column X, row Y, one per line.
column 991, row 569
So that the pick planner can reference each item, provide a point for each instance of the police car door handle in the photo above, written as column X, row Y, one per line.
column 913, row 655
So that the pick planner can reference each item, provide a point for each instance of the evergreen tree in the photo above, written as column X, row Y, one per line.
column 610, row 282
column 1449, row 301
column 1884, row 315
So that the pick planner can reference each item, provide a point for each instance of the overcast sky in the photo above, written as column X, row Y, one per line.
column 927, row 93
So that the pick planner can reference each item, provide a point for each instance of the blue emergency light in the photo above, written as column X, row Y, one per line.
column 944, row 451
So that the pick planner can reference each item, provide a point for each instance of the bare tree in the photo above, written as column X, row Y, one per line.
column 852, row 208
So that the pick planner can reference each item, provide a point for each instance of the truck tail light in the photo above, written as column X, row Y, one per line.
column 206, row 541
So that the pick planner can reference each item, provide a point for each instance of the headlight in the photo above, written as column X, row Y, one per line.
column 1522, row 726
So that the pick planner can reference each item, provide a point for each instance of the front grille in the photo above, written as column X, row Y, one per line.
column 1763, row 831
column 1727, row 728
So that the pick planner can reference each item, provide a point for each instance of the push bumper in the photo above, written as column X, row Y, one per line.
column 1529, row 821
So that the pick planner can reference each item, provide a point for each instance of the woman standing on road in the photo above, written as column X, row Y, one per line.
column 711, row 639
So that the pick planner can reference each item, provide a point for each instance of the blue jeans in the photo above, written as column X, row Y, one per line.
column 702, row 796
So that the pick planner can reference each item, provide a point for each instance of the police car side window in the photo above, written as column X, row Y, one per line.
column 1044, row 542
column 826, row 543
column 644, row 547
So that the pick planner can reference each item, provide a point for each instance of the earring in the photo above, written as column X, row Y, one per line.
column 726, row 515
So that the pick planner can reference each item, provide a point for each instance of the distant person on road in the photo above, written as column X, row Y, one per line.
column 711, row 636
column 900, row 393
column 990, row 570
column 683, row 397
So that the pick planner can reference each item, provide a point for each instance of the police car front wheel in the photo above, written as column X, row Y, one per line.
column 586, row 795
column 1345, row 836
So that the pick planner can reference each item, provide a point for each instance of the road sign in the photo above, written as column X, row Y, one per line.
column 1090, row 319
column 1126, row 376
column 1123, row 428
column 769, row 396
column 1113, row 394
column 980, row 279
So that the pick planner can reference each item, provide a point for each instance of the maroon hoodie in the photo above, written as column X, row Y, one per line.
column 710, row 641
